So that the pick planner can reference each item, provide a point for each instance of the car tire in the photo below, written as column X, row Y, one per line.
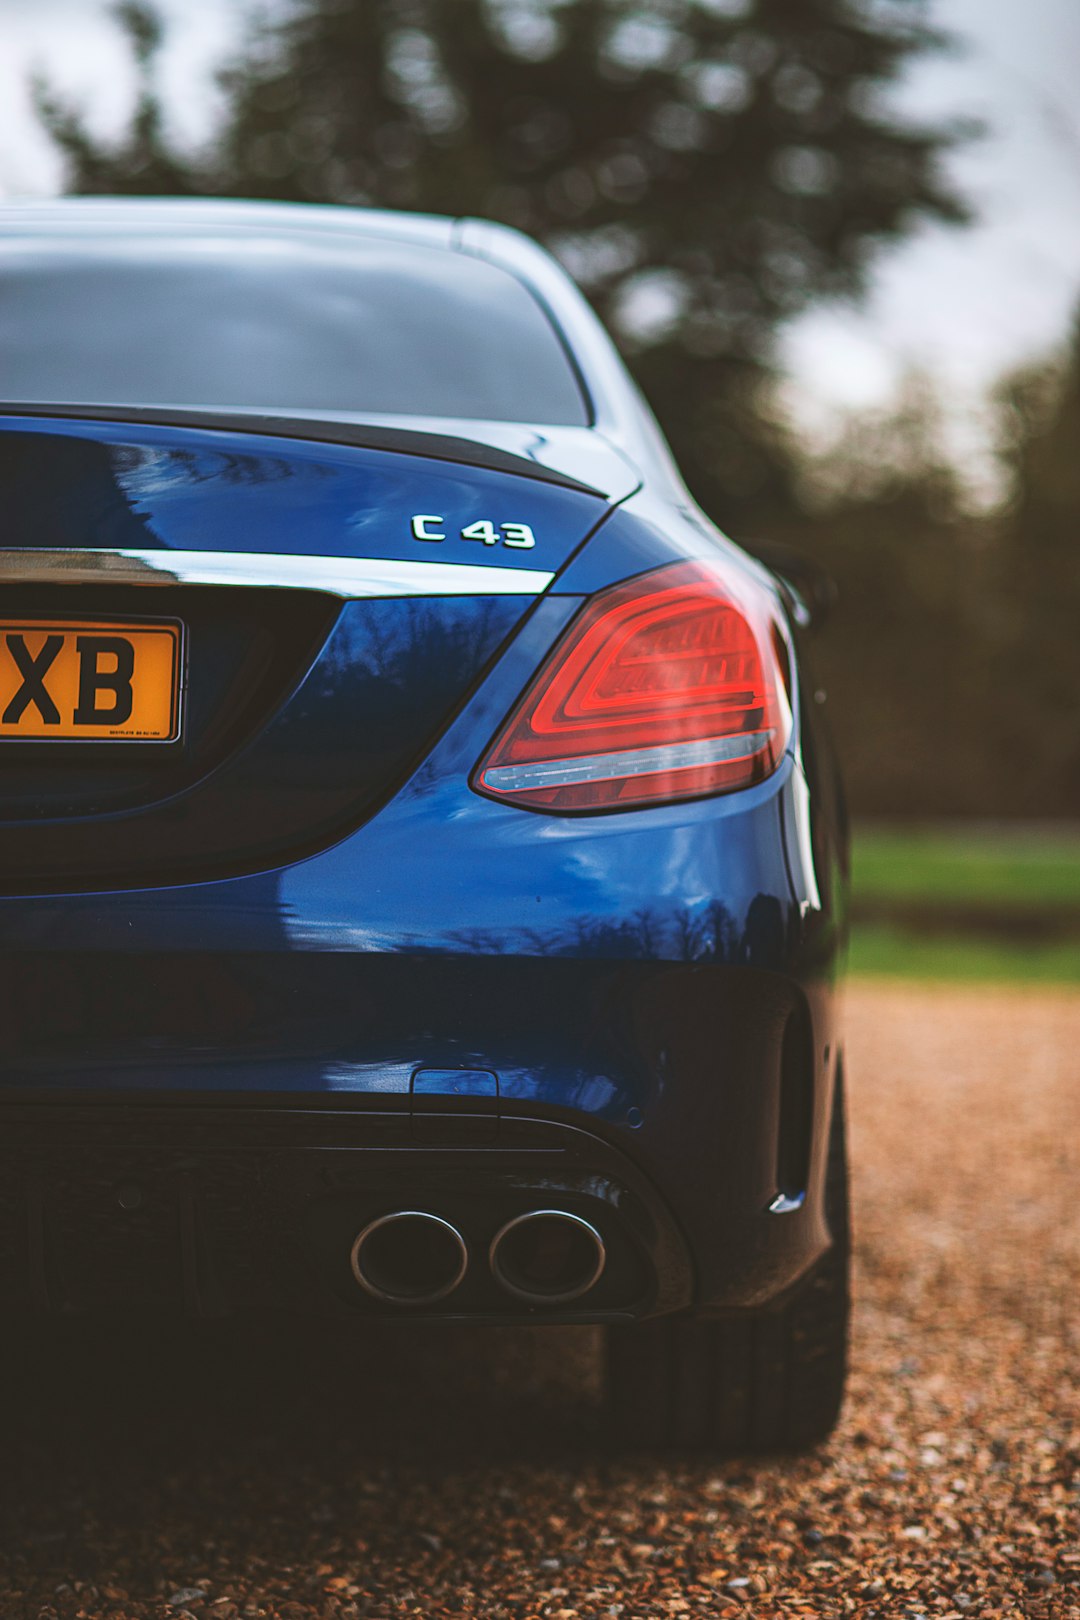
column 764, row 1380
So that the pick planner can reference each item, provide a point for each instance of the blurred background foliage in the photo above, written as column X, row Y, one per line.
column 707, row 169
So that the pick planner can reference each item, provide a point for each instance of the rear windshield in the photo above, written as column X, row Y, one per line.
column 277, row 324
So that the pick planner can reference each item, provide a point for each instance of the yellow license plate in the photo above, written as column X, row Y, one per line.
column 75, row 680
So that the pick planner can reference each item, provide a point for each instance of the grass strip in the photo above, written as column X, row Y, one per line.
column 1026, row 868
column 881, row 950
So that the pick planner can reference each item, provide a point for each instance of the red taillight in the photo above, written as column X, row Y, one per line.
column 667, row 687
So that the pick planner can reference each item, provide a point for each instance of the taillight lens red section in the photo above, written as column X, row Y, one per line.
column 667, row 687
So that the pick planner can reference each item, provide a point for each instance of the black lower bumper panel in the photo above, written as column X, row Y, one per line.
column 188, row 1211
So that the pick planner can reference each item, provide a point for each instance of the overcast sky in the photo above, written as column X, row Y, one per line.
column 966, row 304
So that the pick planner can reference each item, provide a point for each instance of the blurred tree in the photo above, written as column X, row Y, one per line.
column 143, row 162
column 1040, row 409
column 1038, row 676
column 704, row 168
column 882, row 512
column 951, row 663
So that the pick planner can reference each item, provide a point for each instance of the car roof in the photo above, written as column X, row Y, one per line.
column 164, row 215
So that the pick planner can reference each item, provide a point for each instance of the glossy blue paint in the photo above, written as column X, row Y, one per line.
column 101, row 484
column 308, row 911
column 633, row 971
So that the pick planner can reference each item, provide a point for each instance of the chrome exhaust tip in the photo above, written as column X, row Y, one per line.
column 409, row 1257
column 547, row 1257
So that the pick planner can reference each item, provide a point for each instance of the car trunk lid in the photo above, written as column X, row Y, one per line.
column 341, row 588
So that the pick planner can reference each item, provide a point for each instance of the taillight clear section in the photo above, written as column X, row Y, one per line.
column 670, row 686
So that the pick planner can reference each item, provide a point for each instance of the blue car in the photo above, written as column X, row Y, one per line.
column 423, row 864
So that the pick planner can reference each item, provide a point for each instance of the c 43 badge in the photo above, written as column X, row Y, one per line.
column 519, row 536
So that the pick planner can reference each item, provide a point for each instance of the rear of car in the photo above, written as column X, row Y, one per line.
column 421, row 872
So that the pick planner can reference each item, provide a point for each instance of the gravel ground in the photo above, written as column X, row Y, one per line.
column 459, row 1474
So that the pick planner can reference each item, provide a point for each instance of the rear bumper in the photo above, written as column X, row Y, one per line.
column 652, row 991
column 210, row 1212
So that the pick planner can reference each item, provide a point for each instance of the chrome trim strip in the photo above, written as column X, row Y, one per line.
column 351, row 578
column 633, row 762
column 787, row 1204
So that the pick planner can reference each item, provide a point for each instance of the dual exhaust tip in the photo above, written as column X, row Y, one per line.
column 544, row 1257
